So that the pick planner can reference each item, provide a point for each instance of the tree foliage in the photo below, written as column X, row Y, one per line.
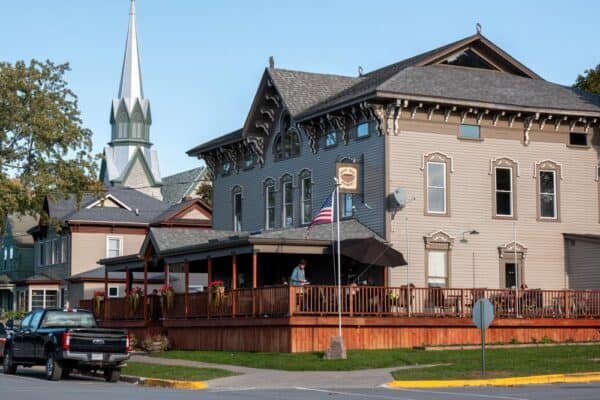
column 205, row 191
column 44, row 148
column 589, row 81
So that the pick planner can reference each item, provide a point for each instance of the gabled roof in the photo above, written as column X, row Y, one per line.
column 164, row 239
column 176, row 187
column 176, row 214
column 142, row 208
column 16, row 226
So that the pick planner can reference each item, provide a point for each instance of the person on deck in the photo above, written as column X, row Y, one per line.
column 298, row 277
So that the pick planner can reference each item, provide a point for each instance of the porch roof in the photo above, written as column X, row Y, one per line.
column 181, row 244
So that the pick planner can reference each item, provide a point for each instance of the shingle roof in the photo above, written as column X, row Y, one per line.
column 16, row 226
column 175, row 208
column 148, row 208
column 301, row 90
column 217, row 142
column 349, row 229
column 483, row 85
column 173, row 238
column 98, row 273
column 176, row 186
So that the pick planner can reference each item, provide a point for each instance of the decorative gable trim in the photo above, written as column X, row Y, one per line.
column 438, row 239
column 111, row 198
column 512, row 247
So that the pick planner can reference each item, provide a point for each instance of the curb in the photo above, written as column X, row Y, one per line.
column 165, row 383
column 584, row 377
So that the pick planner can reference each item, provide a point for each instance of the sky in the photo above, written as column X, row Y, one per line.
column 202, row 60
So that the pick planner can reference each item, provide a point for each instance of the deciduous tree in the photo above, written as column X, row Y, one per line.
column 589, row 81
column 44, row 148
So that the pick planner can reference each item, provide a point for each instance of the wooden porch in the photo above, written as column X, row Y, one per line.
column 292, row 318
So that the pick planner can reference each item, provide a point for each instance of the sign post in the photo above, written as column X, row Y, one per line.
column 483, row 315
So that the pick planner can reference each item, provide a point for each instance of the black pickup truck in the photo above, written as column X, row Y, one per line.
column 64, row 340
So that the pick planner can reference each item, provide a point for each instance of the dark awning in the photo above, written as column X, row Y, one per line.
column 371, row 251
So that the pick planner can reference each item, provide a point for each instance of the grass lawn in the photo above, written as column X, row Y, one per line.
column 174, row 372
column 465, row 363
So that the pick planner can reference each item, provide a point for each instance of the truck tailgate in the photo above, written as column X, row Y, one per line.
column 98, row 341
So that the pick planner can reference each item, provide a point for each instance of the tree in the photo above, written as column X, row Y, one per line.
column 44, row 149
column 205, row 191
column 589, row 81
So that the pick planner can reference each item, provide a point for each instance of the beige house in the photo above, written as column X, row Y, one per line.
column 113, row 225
column 471, row 164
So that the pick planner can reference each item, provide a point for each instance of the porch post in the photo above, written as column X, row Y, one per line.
column 254, row 281
column 127, row 281
column 146, row 297
column 105, row 293
column 209, row 269
column 186, row 267
column 386, row 276
column 166, row 274
column 164, row 302
column 233, row 284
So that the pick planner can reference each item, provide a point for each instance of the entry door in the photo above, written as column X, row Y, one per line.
column 510, row 275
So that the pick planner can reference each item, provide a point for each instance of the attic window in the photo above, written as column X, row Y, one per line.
column 467, row 58
column 578, row 139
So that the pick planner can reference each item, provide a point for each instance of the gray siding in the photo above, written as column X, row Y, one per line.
column 322, row 167
column 57, row 269
column 583, row 263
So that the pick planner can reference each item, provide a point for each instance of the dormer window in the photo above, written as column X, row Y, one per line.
column 468, row 58
column 286, row 145
column 226, row 168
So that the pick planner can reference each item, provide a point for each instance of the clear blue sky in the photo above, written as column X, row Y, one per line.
column 202, row 60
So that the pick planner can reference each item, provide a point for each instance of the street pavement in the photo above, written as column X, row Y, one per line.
column 29, row 384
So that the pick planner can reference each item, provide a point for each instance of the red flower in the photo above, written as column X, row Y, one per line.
column 166, row 288
column 98, row 293
column 216, row 283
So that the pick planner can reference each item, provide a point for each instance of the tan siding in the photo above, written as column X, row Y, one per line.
column 471, row 202
column 88, row 248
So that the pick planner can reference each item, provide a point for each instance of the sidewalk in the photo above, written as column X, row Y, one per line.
column 276, row 379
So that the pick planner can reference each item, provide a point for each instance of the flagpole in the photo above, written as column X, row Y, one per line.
column 339, row 269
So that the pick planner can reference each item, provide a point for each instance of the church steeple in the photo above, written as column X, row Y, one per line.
column 128, row 158
column 131, row 75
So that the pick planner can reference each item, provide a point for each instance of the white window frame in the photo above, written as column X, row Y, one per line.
column 305, row 219
column 120, row 239
column 445, row 187
column 553, row 193
column 511, row 192
column 269, row 206
column 429, row 259
column 114, row 287
column 285, row 203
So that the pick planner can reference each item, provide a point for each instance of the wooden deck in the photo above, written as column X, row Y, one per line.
column 290, row 319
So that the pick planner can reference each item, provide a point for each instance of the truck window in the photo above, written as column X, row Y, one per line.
column 70, row 319
column 35, row 320
column 26, row 323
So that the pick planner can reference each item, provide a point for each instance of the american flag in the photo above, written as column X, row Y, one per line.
column 325, row 214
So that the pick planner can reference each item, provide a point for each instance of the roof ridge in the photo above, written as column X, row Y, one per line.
column 314, row 73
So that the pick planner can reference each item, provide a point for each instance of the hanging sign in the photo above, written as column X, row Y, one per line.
column 348, row 175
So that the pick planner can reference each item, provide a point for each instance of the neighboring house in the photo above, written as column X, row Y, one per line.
column 184, row 185
column 113, row 225
column 16, row 257
column 129, row 160
column 459, row 140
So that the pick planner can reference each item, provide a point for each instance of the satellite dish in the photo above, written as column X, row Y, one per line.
column 399, row 197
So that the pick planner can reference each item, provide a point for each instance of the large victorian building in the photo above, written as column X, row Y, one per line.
column 470, row 163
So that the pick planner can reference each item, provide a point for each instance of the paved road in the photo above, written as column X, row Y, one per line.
column 29, row 385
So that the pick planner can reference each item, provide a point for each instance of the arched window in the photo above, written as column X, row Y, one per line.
column 236, row 195
column 305, row 197
column 287, row 143
column 137, row 125
column 269, row 192
column 287, row 201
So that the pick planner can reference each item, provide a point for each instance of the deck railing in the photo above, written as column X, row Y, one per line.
column 359, row 301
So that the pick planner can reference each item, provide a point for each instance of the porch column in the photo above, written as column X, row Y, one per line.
column 105, row 314
column 127, row 281
column 166, row 274
column 209, row 269
column 164, row 301
column 386, row 276
column 233, row 285
column 254, row 281
column 186, row 268
column 146, row 297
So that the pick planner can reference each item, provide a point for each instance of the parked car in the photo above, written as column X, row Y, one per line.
column 65, row 340
column 2, row 340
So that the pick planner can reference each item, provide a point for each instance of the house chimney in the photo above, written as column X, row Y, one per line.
column 271, row 62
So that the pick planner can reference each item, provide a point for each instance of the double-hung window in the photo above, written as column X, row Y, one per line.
column 504, row 192
column 287, row 214
column 436, row 187
column 269, row 205
column 306, row 193
column 547, row 191
column 114, row 246
column 437, row 268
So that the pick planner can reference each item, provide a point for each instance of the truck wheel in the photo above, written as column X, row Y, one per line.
column 7, row 364
column 53, row 367
column 112, row 374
